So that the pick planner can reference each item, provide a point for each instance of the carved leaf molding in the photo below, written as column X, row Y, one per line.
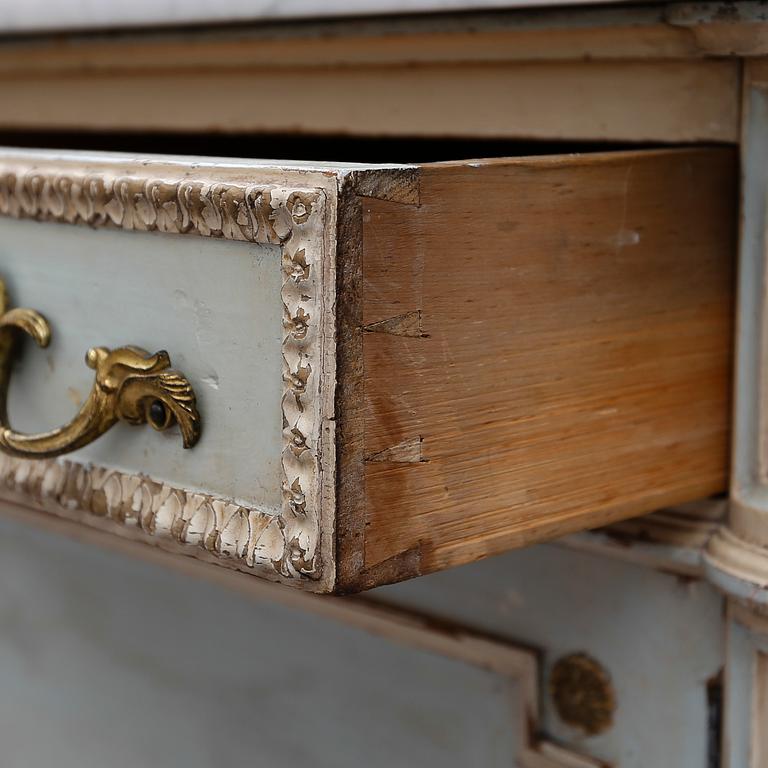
column 282, row 544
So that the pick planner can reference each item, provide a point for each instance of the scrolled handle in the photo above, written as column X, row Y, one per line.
column 130, row 385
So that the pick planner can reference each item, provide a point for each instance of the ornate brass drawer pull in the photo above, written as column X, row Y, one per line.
column 131, row 385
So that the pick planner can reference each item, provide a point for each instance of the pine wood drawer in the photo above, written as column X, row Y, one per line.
column 398, row 368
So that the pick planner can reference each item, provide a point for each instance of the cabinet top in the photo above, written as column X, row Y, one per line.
column 63, row 15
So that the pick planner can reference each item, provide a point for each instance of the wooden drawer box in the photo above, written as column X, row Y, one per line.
column 397, row 368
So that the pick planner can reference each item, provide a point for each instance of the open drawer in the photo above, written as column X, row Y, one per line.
column 395, row 369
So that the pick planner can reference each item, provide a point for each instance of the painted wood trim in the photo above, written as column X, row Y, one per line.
column 627, row 100
column 322, row 75
column 672, row 540
column 658, row 31
column 736, row 559
column 296, row 543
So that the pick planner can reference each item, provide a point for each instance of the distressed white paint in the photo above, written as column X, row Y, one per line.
column 293, row 209
column 108, row 661
column 214, row 305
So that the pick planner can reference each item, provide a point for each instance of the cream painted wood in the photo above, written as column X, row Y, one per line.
column 737, row 557
column 650, row 73
column 617, row 101
column 672, row 540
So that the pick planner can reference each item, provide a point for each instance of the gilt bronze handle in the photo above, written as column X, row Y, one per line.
column 131, row 385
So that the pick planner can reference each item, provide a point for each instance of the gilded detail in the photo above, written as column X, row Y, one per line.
column 282, row 543
column 130, row 385
column 582, row 693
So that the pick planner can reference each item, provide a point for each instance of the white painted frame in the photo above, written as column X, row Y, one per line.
column 294, row 209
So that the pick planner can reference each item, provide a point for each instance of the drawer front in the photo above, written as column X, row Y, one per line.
column 239, row 304
column 396, row 369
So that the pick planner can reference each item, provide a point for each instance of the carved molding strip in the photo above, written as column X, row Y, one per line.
column 222, row 528
column 210, row 209
column 285, row 545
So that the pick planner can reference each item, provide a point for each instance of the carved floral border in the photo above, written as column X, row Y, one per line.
column 286, row 546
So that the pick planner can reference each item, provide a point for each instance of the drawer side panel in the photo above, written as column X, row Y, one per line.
column 547, row 349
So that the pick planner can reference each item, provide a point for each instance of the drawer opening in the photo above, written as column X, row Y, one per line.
column 305, row 147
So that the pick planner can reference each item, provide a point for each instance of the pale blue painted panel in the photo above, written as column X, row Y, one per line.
column 110, row 662
column 214, row 305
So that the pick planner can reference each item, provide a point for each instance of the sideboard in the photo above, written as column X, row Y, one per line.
column 498, row 290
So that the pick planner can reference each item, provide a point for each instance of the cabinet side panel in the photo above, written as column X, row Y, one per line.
column 547, row 349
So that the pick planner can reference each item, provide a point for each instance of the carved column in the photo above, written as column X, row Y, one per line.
column 736, row 557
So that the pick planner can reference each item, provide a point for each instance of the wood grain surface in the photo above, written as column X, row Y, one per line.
column 546, row 347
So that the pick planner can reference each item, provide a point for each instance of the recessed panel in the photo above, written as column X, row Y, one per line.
column 214, row 305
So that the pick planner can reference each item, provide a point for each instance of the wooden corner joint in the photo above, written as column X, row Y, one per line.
column 406, row 452
column 407, row 324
